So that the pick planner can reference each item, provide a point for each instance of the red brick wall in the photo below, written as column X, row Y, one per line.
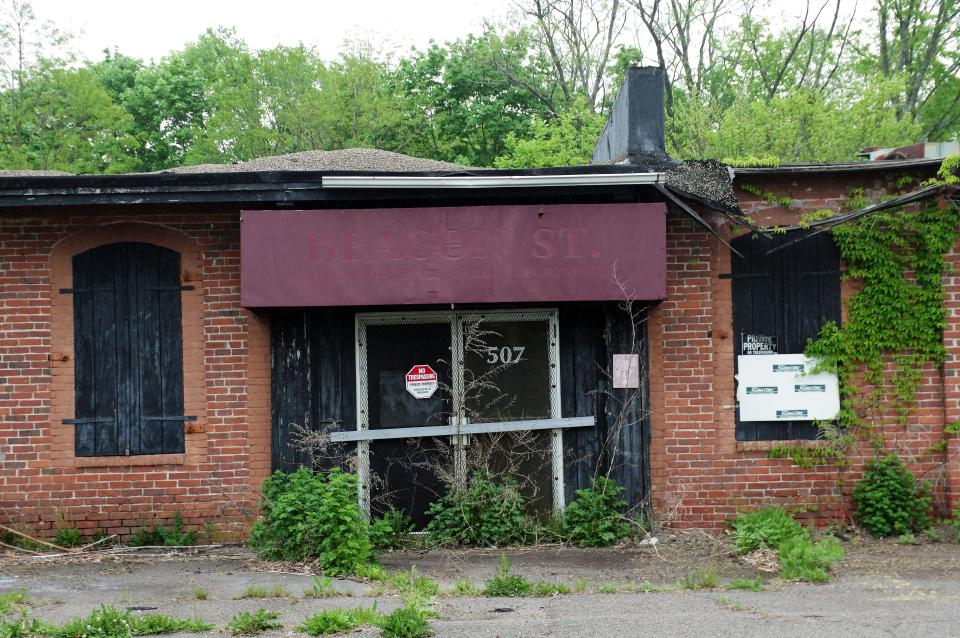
column 226, row 379
column 701, row 475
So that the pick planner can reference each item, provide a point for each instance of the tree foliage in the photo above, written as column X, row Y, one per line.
column 817, row 83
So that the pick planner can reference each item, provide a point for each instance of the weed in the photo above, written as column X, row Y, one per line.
column 175, row 536
column 12, row 600
column 105, row 622
column 153, row 624
column 391, row 530
column 110, row 622
column 505, row 584
column 546, row 590
column 334, row 621
column 68, row 537
column 700, row 579
column 464, row 587
column 415, row 590
column 908, row 539
column 800, row 559
column 747, row 584
column 647, row 587
column 889, row 500
column 266, row 591
column 406, row 622
column 726, row 603
column 313, row 515
column 199, row 593
column 14, row 617
column 594, row 518
column 768, row 527
column 321, row 588
column 159, row 535
column 248, row 624
column 607, row 588
column 487, row 513
column 956, row 524
column 580, row 585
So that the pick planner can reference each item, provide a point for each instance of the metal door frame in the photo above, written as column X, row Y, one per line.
column 456, row 320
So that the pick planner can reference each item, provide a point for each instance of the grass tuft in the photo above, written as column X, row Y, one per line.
column 246, row 623
column 266, row 591
column 745, row 584
column 407, row 622
column 334, row 621
column 321, row 588
column 700, row 579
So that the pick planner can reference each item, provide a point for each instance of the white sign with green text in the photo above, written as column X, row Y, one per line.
column 780, row 387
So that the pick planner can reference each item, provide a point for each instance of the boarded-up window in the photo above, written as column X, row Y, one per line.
column 128, row 351
column 789, row 294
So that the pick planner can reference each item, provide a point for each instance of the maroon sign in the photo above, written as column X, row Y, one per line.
column 467, row 254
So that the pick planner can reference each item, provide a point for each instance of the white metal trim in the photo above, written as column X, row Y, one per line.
column 556, row 435
column 487, row 181
column 363, row 447
column 463, row 428
column 549, row 315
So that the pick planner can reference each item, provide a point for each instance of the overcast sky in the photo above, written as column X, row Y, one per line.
column 152, row 29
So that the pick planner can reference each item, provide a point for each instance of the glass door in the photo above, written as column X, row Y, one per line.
column 421, row 370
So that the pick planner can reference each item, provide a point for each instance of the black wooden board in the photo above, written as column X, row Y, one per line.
column 789, row 294
column 128, row 351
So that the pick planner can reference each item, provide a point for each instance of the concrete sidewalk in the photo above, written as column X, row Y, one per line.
column 857, row 604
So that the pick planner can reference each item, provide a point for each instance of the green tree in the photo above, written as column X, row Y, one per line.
column 66, row 121
column 805, row 126
column 566, row 140
column 466, row 97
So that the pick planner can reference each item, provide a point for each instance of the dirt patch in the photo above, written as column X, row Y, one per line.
column 673, row 558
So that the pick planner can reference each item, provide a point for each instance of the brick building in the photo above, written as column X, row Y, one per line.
column 165, row 339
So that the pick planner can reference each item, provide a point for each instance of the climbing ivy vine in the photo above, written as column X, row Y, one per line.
column 895, row 321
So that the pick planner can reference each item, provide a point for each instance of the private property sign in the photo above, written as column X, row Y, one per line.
column 422, row 381
column 457, row 254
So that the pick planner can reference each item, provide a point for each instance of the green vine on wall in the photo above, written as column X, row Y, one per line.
column 897, row 317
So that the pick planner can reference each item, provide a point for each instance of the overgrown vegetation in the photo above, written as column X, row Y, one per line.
column 335, row 621
column 391, row 530
column 700, row 579
column 111, row 622
column 246, row 623
column 68, row 537
column 800, row 558
column 487, row 513
column 266, row 591
column 890, row 501
column 745, row 584
column 595, row 517
column 320, row 588
column 15, row 621
column 818, row 86
column 174, row 536
column 506, row 584
column 897, row 314
column 410, row 621
column 313, row 515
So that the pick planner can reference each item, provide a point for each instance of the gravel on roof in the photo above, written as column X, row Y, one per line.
column 706, row 180
column 349, row 159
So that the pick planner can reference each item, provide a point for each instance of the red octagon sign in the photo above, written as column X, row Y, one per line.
column 422, row 381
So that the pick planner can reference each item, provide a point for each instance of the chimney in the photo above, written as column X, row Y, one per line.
column 634, row 129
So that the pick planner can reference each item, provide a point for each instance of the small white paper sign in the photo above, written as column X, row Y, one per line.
column 778, row 387
column 626, row 371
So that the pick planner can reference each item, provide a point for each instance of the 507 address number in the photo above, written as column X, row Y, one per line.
column 506, row 354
